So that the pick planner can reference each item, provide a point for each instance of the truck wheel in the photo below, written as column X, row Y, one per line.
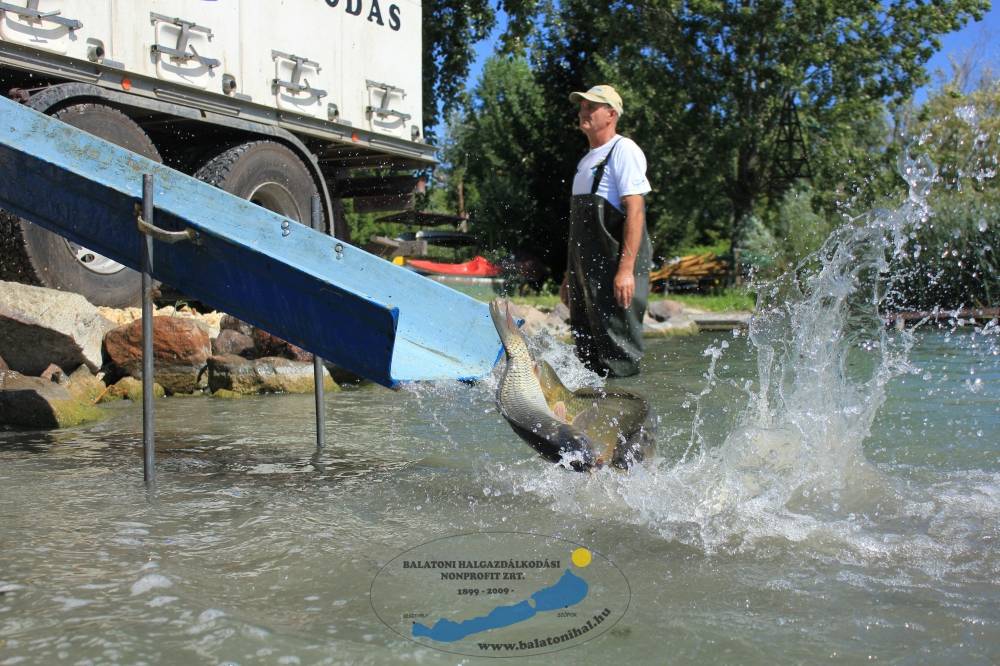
column 266, row 173
column 37, row 256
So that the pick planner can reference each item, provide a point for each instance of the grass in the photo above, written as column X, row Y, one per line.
column 730, row 300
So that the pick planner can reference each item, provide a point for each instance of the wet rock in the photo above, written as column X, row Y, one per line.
column 231, row 341
column 230, row 323
column 54, row 373
column 180, row 348
column 39, row 327
column 263, row 375
column 266, row 344
column 129, row 388
column 34, row 402
column 677, row 325
column 85, row 385
column 342, row 376
column 561, row 310
column 662, row 310
column 536, row 321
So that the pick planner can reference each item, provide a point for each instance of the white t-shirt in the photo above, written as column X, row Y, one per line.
column 624, row 174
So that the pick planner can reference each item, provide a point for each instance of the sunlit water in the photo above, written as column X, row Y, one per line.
column 253, row 550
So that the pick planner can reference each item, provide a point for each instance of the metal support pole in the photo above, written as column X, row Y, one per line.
column 317, row 224
column 148, row 450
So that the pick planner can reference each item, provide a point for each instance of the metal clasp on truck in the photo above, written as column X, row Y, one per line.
column 300, row 63
column 183, row 51
column 383, row 110
column 31, row 13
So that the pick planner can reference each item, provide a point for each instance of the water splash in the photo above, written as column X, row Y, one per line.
column 794, row 467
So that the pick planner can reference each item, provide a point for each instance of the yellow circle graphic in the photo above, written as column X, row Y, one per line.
column 581, row 557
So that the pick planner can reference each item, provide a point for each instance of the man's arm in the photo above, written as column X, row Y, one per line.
column 635, row 219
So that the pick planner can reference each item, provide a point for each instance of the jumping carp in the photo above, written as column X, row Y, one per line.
column 587, row 428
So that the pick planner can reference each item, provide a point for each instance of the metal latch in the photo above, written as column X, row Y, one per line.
column 294, row 85
column 31, row 13
column 183, row 51
column 383, row 110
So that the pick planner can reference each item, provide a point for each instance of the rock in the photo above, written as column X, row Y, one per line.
column 342, row 376
column 536, row 321
column 129, row 388
column 266, row 344
column 662, row 310
column 561, row 310
column 677, row 325
column 231, row 341
column 33, row 402
column 41, row 326
column 180, row 348
column 54, row 373
column 85, row 385
column 230, row 323
column 263, row 375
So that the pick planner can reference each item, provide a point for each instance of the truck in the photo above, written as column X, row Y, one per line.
column 274, row 101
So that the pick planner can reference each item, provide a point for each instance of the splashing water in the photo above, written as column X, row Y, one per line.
column 793, row 468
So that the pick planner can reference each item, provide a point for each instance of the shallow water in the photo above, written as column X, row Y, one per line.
column 254, row 549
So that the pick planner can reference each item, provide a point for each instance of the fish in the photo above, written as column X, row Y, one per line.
column 585, row 429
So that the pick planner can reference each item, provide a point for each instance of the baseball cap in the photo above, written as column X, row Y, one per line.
column 603, row 94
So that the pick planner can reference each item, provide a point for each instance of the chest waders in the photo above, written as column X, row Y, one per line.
column 608, row 338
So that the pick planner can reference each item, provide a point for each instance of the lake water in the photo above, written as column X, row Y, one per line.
column 740, row 544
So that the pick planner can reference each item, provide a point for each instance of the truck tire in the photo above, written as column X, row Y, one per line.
column 266, row 173
column 34, row 255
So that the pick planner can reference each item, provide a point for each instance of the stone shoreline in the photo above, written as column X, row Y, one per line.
column 61, row 357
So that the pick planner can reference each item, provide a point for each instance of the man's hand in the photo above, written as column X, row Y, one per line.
column 564, row 291
column 624, row 288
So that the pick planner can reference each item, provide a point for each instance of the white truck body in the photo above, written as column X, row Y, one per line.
column 354, row 63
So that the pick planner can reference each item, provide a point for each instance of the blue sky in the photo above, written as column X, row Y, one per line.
column 980, row 39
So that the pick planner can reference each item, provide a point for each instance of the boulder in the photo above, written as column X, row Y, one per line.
column 129, row 388
column 263, row 375
column 676, row 325
column 561, row 310
column 33, row 402
column 662, row 310
column 84, row 385
column 180, row 348
column 39, row 327
column 230, row 323
column 231, row 341
column 266, row 344
column 536, row 321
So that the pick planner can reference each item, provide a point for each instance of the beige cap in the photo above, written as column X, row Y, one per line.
column 602, row 94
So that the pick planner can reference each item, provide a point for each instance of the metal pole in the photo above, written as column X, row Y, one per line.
column 148, row 450
column 317, row 224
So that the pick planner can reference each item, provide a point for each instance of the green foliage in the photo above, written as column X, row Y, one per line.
column 450, row 28
column 704, row 83
column 953, row 255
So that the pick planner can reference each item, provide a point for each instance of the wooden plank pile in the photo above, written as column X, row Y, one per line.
column 694, row 271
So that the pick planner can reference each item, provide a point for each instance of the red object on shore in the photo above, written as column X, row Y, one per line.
column 477, row 266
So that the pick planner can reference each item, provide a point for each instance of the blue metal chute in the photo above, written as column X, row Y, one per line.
column 353, row 309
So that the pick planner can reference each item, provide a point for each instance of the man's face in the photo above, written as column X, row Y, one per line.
column 595, row 116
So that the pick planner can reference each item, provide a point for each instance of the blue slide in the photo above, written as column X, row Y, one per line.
column 358, row 311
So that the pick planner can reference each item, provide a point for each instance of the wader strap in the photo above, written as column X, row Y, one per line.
column 599, row 169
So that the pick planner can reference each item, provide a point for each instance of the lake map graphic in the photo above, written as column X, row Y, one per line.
column 569, row 590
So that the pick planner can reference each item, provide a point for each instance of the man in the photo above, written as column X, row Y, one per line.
column 607, row 280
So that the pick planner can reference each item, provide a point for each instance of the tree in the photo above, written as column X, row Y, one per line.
column 736, row 63
column 450, row 29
